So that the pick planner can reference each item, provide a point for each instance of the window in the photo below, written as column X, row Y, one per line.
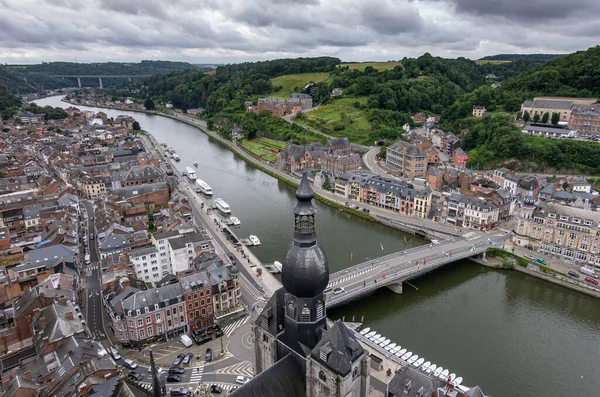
column 174, row 310
column 146, row 309
column 149, row 331
column 322, row 376
column 159, row 330
column 168, row 312
column 355, row 372
column 157, row 316
column 190, row 306
column 142, row 334
column 148, row 320
column 130, row 323
column 140, row 322
column 305, row 314
column 191, row 315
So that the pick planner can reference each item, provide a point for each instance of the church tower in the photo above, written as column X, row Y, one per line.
column 305, row 275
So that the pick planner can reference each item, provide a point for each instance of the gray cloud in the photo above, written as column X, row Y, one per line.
column 240, row 30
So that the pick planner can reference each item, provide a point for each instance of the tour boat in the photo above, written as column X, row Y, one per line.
column 195, row 164
column 413, row 359
column 236, row 222
column 457, row 381
column 384, row 343
column 253, row 239
column 365, row 331
column 176, row 157
column 438, row 372
column 203, row 187
column 419, row 362
column 190, row 173
column 277, row 265
column 222, row 206
column 390, row 347
column 371, row 334
column 431, row 369
column 406, row 356
column 425, row 366
column 444, row 374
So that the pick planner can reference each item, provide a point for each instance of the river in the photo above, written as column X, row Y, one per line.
column 509, row 333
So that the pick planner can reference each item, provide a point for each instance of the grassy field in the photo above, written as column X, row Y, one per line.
column 295, row 82
column 340, row 118
column 265, row 148
column 484, row 61
column 376, row 65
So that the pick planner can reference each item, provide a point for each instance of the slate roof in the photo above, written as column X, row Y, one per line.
column 549, row 103
column 57, row 326
column 50, row 256
column 128, row 192
column 284, row 378
column 142, row 299
column 342, row 346
column 114, row 242
column 411, row 383
column 195, row 281
column 179, row 243
column 18, row 383
column 105, row 389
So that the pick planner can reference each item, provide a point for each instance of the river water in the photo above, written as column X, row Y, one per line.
column 507, row 332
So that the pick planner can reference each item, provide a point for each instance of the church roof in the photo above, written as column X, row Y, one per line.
column 340, row 347
column 284, row 378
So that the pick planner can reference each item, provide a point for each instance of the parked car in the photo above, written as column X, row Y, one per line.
column 541, row 261
column 208, row 356
column 242, row 380
column 178, row 360
column 216, row 389
column 173, row 378
column 114, row 353
column 573, row 274
column 135, row 376
column 176, row 371
column 159, row 370
column 178, row 391
column 129, row 364
column 187, row 358
column 530, row 257
column 591, row 280
column 338, row 290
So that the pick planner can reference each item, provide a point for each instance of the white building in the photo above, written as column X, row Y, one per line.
column 146, row 266
column 177, row 249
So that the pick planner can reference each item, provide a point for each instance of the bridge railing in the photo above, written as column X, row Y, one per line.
column 383, row 259
column 401, row 276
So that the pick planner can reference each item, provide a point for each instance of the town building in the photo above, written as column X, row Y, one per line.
column 304, row 100
column 460, row 158
column 469, row 212
column 407, row 160
column 549, row 131
column 92, row 187
column 197, row 292
column 570, row 233
column 479, row 111
column 561, row 105
column 297, row 157
column 146, row 266
column 586, row 119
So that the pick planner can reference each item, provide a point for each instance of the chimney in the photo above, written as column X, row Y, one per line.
column 171, row 205
column 69, row 316
column 42, row 322
column 84, row 389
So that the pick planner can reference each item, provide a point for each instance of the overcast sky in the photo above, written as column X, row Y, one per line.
column 221, row 31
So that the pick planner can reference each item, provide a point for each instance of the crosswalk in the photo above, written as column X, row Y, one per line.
column 225, row 386
column 197, row 373
column 242, row 368
column 349, row 277
column 233, row 326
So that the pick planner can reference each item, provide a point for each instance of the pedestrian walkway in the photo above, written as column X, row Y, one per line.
column 242, row 368
column 350, row 277
column 197, row 374
column 233, row 326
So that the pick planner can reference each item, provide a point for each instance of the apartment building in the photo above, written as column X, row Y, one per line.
column 303, row 100
column 586, row 119
column 561, row 105
column 225, row 287
column 92, row 187
column 568, row 233
column 197, row 292
column 408, row 159
column 378, row 191
column 469, row 212
column 479, row 111
column 146, row 264
column 155, row 313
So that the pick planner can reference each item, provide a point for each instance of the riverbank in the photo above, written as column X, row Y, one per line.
column 496, row 263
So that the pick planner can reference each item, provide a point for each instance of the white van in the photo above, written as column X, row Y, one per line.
column 186, row 340
column 87, row 259
column 114, row 353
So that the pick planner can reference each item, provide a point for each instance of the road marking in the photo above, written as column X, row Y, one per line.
column 243, row 368
column 233, row 326
column 197, row 374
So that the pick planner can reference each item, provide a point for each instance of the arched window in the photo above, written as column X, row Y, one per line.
column 355, row 372
column 190, row 306
column 291, row 310
column 322, row 376
column 191, row 315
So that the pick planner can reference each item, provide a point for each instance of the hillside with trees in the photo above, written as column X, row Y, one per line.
column 522, row 57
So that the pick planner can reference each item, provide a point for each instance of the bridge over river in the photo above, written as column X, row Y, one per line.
column 100, row 77
column 394, row 269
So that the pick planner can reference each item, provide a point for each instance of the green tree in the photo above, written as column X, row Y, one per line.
column 136, row 126
column 149, row 104
column 536, row 118
column 555, row 118
column 545, row 117
column 526, row 116
column 326, row 184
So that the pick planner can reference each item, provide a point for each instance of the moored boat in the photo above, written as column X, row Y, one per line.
column 444, row 374
column 277, row 265
column 365, row 331
column 457, row 381
column 253, row 239
column 390, row 347
column 412, row 359
column 222, row 206
column 195, row 164
column 425, row 366
column 176, row 157
column 236, row 222
column 203, row 187
column 406, row 356
column 431, row 369
column 419, row 362
column 438, row 371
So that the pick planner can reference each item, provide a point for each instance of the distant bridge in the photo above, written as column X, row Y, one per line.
column 100, row 77
column 394, row 269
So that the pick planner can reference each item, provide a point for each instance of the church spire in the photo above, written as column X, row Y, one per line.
column 305, row 272
column 157, row 384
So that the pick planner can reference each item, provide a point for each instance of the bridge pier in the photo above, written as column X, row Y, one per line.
column 79, row 81
column 397, row 288
column 100, row 80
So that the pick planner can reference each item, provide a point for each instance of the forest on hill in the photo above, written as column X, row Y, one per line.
column 522, row 57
